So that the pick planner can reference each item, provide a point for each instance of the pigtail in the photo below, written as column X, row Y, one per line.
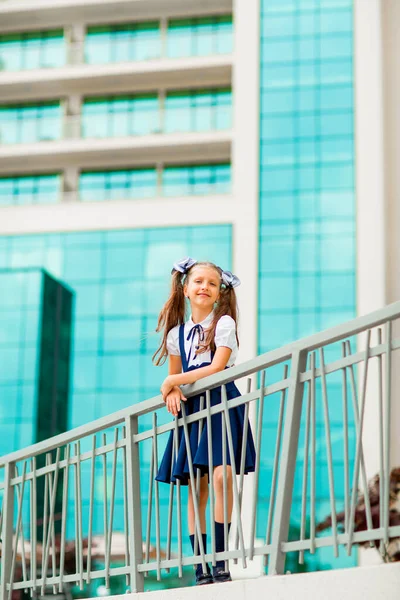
column 172, row 314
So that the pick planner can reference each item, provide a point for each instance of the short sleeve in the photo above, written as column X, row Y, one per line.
column 225, row 333
column 172, row 342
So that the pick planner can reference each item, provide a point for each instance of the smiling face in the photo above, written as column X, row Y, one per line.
column 202, row 287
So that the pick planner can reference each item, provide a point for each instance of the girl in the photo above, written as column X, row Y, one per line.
column 205, row 344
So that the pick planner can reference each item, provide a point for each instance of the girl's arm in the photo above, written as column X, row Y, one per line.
column 218, row 364
column 174, row 396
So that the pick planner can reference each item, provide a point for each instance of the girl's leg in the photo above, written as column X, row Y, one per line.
column 202, row 505
column 219, row 573
column 219, row 493
column 201, row 578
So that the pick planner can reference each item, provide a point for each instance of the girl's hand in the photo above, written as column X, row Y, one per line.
column 173, row 401
column 166, row 387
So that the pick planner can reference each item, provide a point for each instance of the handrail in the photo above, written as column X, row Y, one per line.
column 263, row 361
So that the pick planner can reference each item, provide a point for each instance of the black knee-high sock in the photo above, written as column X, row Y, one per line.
column 199, row 568
column 220, row 541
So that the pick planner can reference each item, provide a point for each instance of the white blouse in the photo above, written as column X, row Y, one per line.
column 225, row 335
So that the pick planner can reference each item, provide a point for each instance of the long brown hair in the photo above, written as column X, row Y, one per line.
column 173, row 311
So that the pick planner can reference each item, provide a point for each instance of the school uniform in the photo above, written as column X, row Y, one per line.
column 183, row 340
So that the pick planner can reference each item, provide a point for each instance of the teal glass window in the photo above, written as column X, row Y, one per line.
column 118, row 185
column 121, row 43
column 198, row 111
column 31, row 189
column 200, row 36
column 23, row 124
column 143, row 41
column 32, row 50
column 196, row 180
column 182, row 180
column 141, row 114
column 121, row 116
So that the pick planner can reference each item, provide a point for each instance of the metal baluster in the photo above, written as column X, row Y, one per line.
column 225, row 487
column 112, row 501
column 149, row 503
column 359, row 452
column 257, row 469
column 179, row 505
column 360, row 460
column 91, row 503
column 64, row 513
column 19, row 520
column 275, row 467
column 210, row 473
column 243, row 461
column 24, row 575
column 329, row 452
column 126, row 518
column 156, row 496
column 313, row 455
column 50, row 534
column 193, row 488
column 388, row 389
column 233, row 468
column 345, row 443
column 198, row 471
column 305, row 474
column 381, row 444
column 79, row 502
column 33, row 526
column 105, row 494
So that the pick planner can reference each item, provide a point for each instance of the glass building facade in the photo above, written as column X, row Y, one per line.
column 306, row 271
column 307, row 198
column 35, row 341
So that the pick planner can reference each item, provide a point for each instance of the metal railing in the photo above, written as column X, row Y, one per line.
column 59, row 495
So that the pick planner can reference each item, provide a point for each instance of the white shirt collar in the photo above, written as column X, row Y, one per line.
column 204, row 323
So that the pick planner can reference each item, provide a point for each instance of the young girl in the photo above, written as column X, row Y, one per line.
column 205, row 344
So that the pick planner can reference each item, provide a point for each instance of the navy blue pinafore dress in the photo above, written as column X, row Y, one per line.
column 199, row 449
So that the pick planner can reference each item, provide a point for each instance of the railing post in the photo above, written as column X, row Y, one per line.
column 8, row 526
column 134, row 505
column 287, row 463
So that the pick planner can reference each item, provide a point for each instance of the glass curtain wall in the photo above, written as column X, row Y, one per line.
column 307, row 201
column 35, row 338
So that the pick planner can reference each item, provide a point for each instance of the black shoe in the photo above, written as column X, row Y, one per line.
column 221, row 576
column 204, row 578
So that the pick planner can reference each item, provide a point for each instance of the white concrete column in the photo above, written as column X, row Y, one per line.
column 245, row 174
column 72, row 116
column 377, row 87
column 75, row 35
column 391, row 54
column 370, row 196
column 370, row 183
column 70, row 184
column 245, row 167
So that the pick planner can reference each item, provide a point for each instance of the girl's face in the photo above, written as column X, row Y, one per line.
column 202, row 287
